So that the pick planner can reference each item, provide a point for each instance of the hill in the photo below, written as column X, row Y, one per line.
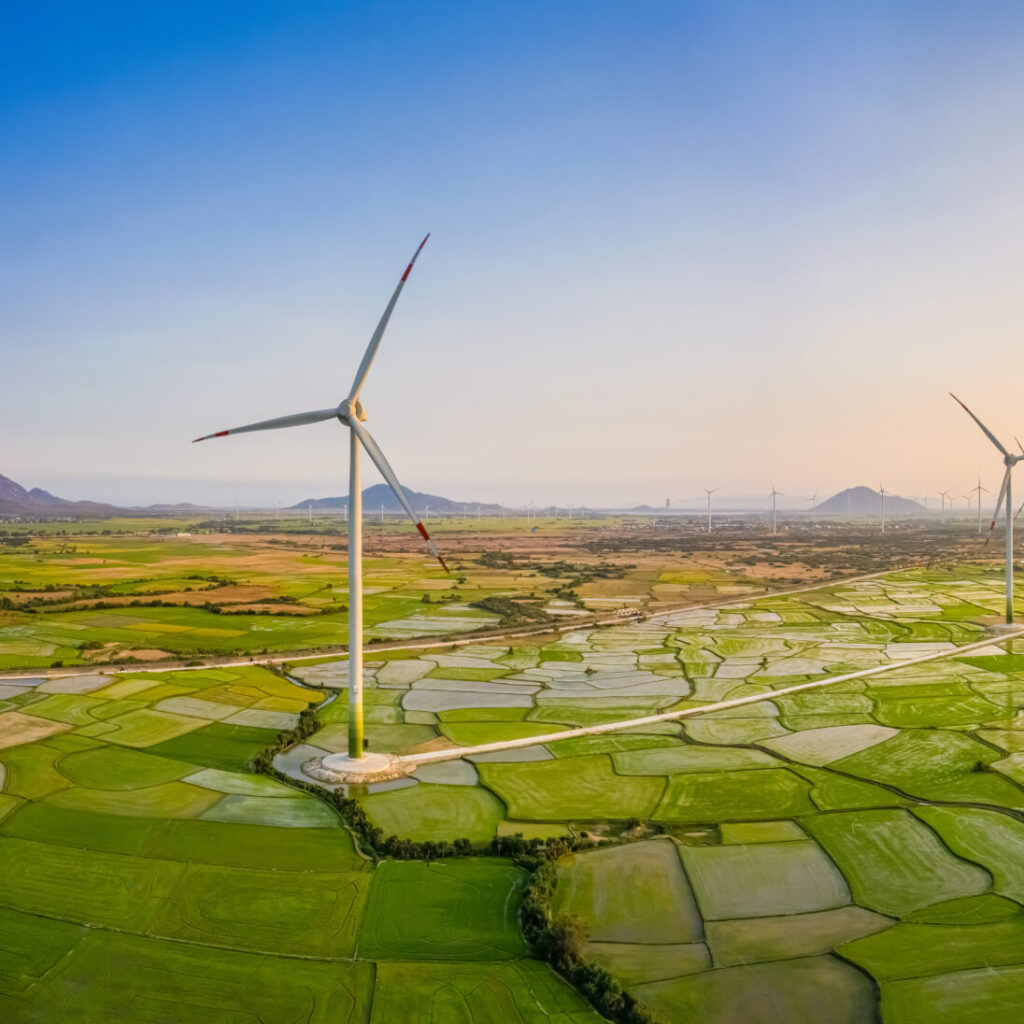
column 15, row 500
column 863, row 501
column 381, row 494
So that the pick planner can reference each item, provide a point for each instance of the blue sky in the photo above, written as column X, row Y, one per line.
column 674, row 245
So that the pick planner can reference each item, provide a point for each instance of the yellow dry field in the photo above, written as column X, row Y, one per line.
column 16, row 728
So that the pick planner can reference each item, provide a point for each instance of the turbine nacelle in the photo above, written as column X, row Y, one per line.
column 351, row 410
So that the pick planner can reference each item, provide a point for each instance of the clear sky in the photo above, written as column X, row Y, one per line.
column 674, row 245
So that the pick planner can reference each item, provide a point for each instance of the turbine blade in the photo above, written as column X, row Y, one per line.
column 389, row 475
column 371, row 349
column 988, row 433
column 298, row 420
column 999, row 503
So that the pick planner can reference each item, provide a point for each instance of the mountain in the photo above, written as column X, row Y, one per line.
column 863, row 501
column 16, row 501
column 374, row 497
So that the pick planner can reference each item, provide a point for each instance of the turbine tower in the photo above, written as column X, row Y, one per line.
column 881, row 491
column 350, row 413
column 773, row 494
column 1005, row 494
column 709, row 492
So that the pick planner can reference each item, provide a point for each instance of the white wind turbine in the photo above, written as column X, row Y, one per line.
column 350, row 413
column 1005, row 494
column 881, row 491
column 942, row 495
column 709, row 492
column 773, row 494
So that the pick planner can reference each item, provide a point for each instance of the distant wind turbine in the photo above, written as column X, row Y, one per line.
column 350, row 413
column 1005, row 494
column 709, row 492
column 942, row 495
column 813, row 500
column 881, row 491
column 773, row 495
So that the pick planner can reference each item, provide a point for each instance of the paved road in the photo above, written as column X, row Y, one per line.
column 669, row 716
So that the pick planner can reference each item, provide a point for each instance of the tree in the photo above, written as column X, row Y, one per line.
column 566, row 937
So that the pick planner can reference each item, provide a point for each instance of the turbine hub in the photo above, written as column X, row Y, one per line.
column 351, row 411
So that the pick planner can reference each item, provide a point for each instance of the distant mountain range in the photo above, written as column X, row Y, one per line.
column 381, row 494
column 863, row 501
column 16, row 501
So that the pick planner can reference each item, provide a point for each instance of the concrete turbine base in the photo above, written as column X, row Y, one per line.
column 363, row 770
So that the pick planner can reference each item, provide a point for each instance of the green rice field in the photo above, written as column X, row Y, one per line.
column 863, row 840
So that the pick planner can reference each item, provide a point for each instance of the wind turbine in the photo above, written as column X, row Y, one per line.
column 709, row 492
column 773, row 494
column 1005, row 494
column 881, row 491
column 350, row 413
column 814, row 504
column 942, row 495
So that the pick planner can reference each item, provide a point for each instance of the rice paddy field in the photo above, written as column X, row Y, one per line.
column 849, row 854
column 146, row 874
column 862, row 840
column 147, row 589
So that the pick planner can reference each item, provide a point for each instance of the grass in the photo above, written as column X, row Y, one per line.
column 298, row 811
column 630, row 894
column 114, row 768
column 31, row 771
column 931, row 763
column 306, row 913
column 169, row 800
column 984, row 909
column 683, row 759
column 128, row 977
column 436, row 812
column 919, row 950
column 768, row 993
column 474, row 733
column 984, row 996
column 893, row 862
column 227, row 747
column 578, row 788
column 639, row 962
column 447, row 910
column 986, row 837
column 520, row 992
column 724, row 796
column 191, row 841
column 30, row 946
column 729, row 881
column 762, row 939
